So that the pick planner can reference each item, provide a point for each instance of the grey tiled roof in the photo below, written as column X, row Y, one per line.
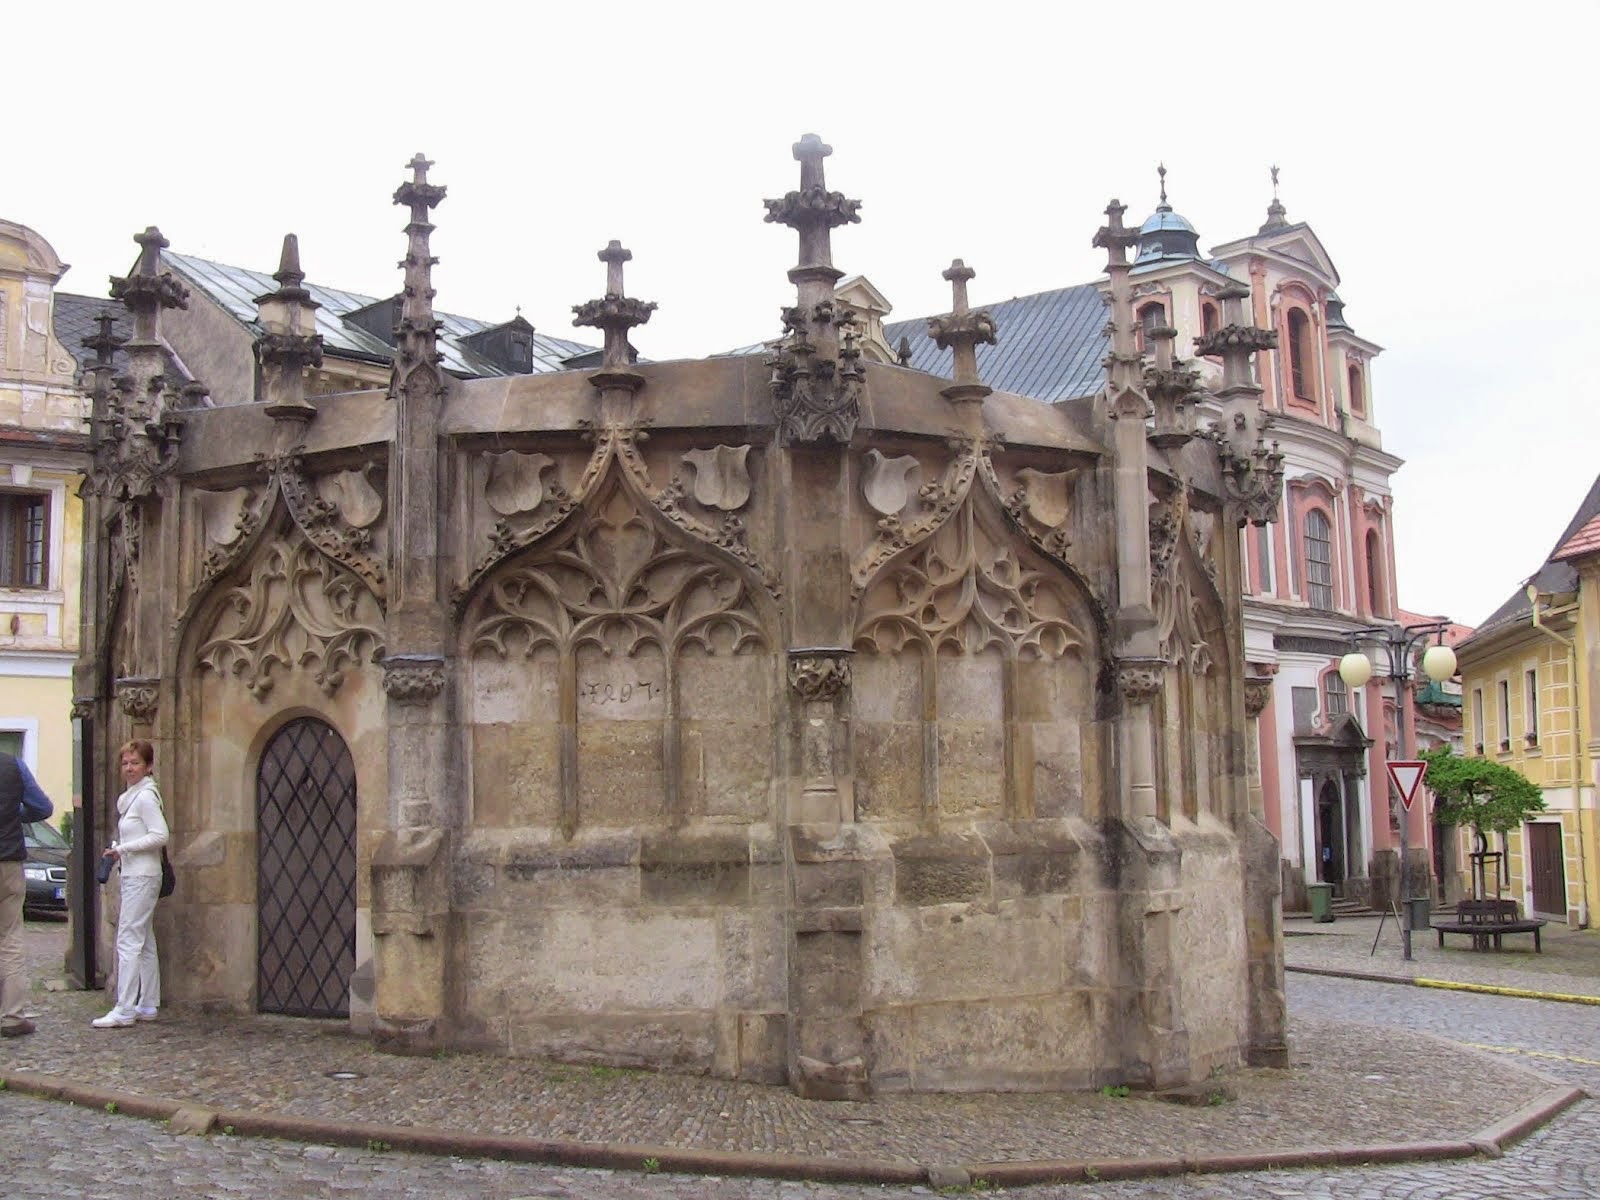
column 1052, row 345
column 236, row 289
column 78, row 317
column 1553, row 576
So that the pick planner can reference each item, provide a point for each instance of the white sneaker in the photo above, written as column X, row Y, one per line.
column 145, row 1014
column 115, row 1019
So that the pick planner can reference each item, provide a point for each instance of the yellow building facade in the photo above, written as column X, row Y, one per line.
column 1529, row 686
column 43, row 447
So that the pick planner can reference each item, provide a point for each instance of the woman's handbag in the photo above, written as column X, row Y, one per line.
column 102, row 870
column 169, row 878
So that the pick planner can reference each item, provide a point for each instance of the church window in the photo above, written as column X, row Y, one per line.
column 1301, row 358
column 1319, row 560
column 1151, row 318
column 24, row 539
column 1375, row 604
column 1358, row 394
column 1210, row 318
column 1336, row 695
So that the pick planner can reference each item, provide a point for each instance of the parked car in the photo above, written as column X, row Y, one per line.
column 45, row 869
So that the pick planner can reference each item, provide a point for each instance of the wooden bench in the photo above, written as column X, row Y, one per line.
column 1487, row 921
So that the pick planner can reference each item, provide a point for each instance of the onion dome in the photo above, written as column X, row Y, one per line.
column 1166, row 236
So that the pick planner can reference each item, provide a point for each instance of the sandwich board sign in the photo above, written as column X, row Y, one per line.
column 1407, row 776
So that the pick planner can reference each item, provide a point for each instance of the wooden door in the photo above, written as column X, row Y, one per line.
column 1547, row 869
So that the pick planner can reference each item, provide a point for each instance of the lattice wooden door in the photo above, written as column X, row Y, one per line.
column 306, row 872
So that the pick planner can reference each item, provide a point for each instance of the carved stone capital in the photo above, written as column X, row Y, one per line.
column 413, row 678
column 822, row 674
column 1139, row 679
column 1257, row 691
column 137, row 696
column 83, row 707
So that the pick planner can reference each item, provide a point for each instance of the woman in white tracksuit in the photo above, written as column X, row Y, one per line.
column 141, row 832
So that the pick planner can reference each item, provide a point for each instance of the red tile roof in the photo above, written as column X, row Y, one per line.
column 1585, row 541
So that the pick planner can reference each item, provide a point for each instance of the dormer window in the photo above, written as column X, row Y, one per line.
column 1302, row 360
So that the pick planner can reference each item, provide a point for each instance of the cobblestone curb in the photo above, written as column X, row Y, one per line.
column 1452, row 985
column 189, row 1117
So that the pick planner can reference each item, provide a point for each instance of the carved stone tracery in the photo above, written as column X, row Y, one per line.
column 1178, row 609
column 298, row 609
column 616, row 584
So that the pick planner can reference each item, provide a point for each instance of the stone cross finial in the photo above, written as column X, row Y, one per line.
column 962, row 331
column 958, row 273
column 810, row 150
column 151, row 244
column 615, row 314
column 1274, row 181
column 1114, row 237
column 614, row 256
column 419, row 166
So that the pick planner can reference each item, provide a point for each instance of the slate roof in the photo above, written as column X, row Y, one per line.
column 1557, row 575
column 236, row 289
column 1052, row 345
column 78, row 317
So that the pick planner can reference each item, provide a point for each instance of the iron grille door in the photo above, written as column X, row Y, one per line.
column 306, row 872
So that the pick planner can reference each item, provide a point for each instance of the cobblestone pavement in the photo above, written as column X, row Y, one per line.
column 60, row 1151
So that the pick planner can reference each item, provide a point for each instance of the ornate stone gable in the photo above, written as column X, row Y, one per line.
column 616, row 583
column 529, row 503
column 297, row 610
column 1182, row 585
column 963, row 585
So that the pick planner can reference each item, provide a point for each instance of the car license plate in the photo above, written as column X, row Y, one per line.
column 61, row 893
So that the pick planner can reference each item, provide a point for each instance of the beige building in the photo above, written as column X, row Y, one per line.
column 1530, row 679
column 43, row 452
column 812, row 720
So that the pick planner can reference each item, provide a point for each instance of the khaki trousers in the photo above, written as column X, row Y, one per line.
column 13, row 984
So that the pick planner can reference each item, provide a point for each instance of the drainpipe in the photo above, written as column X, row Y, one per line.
column 1577, row 759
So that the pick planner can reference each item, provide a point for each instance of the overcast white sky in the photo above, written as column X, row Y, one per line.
column 1444, row 153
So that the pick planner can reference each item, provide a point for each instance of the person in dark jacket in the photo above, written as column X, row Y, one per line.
column 21, row 799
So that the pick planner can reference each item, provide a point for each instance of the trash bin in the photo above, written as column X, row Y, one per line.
column 1417, row 914
column 1321, row 901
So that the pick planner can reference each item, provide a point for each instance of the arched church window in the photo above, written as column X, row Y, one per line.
column 1301, row 358
column 1319, row 559
column 1358, row 394
column 1210, row 318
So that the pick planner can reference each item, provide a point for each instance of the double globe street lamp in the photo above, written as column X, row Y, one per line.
column 1400, row 642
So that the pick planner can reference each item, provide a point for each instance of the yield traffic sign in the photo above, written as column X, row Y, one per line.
column 1407, row 776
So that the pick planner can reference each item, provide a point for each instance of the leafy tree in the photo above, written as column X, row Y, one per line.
column 1479, row 792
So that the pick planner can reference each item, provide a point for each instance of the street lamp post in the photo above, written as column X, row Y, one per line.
column 1438, row 664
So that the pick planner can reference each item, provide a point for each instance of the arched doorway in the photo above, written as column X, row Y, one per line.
column 306, row 872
